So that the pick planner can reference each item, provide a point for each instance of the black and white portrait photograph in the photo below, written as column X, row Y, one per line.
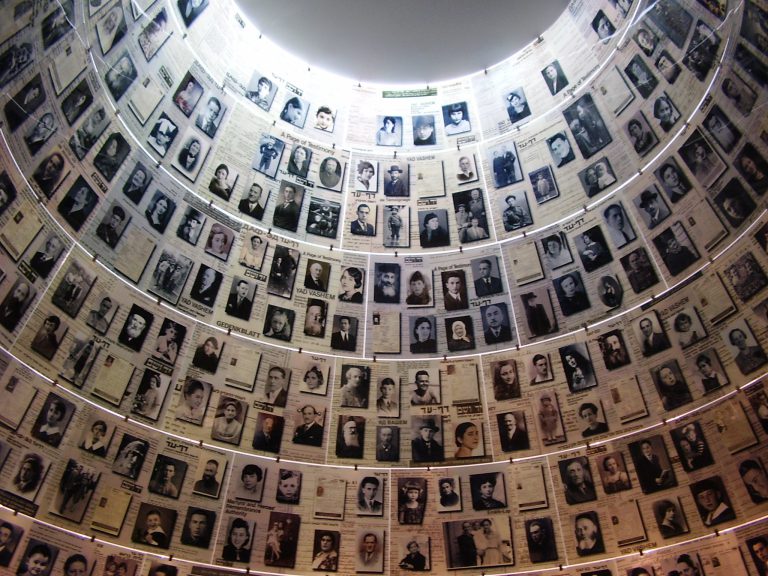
column 671, row 385
column 73, row 288
column 26, row 101
column 721, row 129
column 667, row 66
column 651, row 334
column 331, row 174
column 497, row 327
column 610, row 291
column 299, row 161
column 315, row 315
column 702, row 50
column 544, row 185
column 137, row 182
column 56, row 24
column 424, row 130
column 672, row 20
column 652, row 464
column 676, row 249
column 396, row 220
column 651, row 207
column 674, row 182
column 206, row 286
column 556, row 250
column 517, row 105
column 150, row 394
column 516, row 212
column 38, row 559
column 136, row 327
column 209, row 117
column 367, row 176
column 692, row 447
column 670, row 517
column 560, row 147
column 279, row 323
column 260, row 90
column 701, row 159
column 745, row 349
column 159, row 211
column 539, row 315
column 571, row 293
column 513, row 431
column 52, row 421
column 49, row 336
column 390, row 132
column 282, row 536
column 641, row 76
column 459, row 333
column 466, row 539
column 195, row 393
column 577, row 366
column 597, row 177
column 709, row 370
column 112, row 155
column 191, row 155
column 423, row 333
column 190, row 226
column 220, row 241
column 433, row 226
column 746, row 276
column 614, row 349
column 554, row 77
column 154, row 526
column 735, row 203
column 167, row 476
column 290, row 197
column 641, row 134
column 113, row 224
column 323, row 217
column 40, row 132
column 163, row 134
column 170, row 274
column 154, row 34
column 10, row 537
column 282, row 272
column 753, row 168
column 505, row 164
column 229, row 419
column 130, row 456
column 240, row 300
column 489, row 491
column 456, row 119
column 78, row 204
column 111, row 28
column 603, row 26
column 646, row 39
column 587, row 126
column 120, row 75
column 712, row 501
column 295, row 111
column 592, row 248
column 15, row 58
column 577, row 480
column 269, row 432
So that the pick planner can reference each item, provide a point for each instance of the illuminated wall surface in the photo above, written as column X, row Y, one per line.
column 228, row 313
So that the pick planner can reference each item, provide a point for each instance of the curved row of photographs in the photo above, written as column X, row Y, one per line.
column 95, row 473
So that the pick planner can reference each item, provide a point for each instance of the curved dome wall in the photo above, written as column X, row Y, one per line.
column 229, row 316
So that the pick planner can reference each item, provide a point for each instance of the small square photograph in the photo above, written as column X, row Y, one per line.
column 670, row 518
column 163, row 134
column 137, row 183
column 576, row 477
column 40, row 133
column 56, row 24
column 188, row 94
column 571, row 293
column 325, row 119
column 561, row 150
column 433, row 228
column 282, row 539
column 424, row 130
column 194, row 397
column 671, row 385
column 411, row 500
column 120, row 75
column 150, row 395
column 222, row 182
column 753, row 168
column 676, row 249
column 554, row 77
column 344, row 333
column 516, row 212
column 210, row 476
column 170, row 275
column 154, row 35
column 712, row 501
column 557, row 253
column 49, row 248
column 426, row 439
column 691, row 446
column 466, row 170
column 220, row 241
column 651, row 207
column 396, row 181
column 540, row 369
column 206, row 286
column 513, row 431
column 652, row 464
column 198, row 527
column 593, row 249
column 239, row 542
column 549, row 418
column 73, row 288
column 396, row 219
column 49, row 336
column 639, row 270
column 251, row 484
column 517, row 105
column 191, row 156
column 613, row 472
column 603, row 26
column 331, row 174
column 15, row 303
column 282, row 273
column 325, row 550
column 646, row 39
column 130, row 456
column 753, row 475
column 456, row 119
column 667, row 66
column 299, row 161
column 505, row 164
column 735, row 203
column 159, row 211
column 460, row 333
column 640, row 75
column 309, row 422
column 702, row 51
column 497, row 326
column 597, row 177
column 544, row 185
column 52, row 421
column 191, row 225
column 26, row 101
column 744, row 347
column 641, row 134
column 167, row 476
column 279, row 323
column 355, row 386
column 614, row 349
column 746, row 276
column 80, row 359
column 365, row 224
column 577, row 365
column 423, row 331
column 701, row 159
column 688, row 328
column 253, row 251
column 154, row 525
column 665, row 112
column 295, row 111
column 449, row 489
column 12, row 536
column 367, row 179
column 610, row 291
column 471, row 219
column 267, row 159
column 387, row 283
column 113, row 224
column 30, row 473
column 269, row 432
column 261, row 91
column 240, row 300
column 506, row 384
column 497, row 528
column 39, row 557
column 20, row 53
column 315, row 315
column 78, row 203
column 619, row 227
column 709, row 370
column 541, row 540
column 323, row 217
column 288, row 209
column 487, row 277
column 96, row 436
column 112, row 155
column 651, row 334
column 209, row 118
column 111, row 28
column 370, row 496
column 454, row 284
column 587, row 126
column 288, row 486
column 352, row 283
column 316, row 275
column 469, row 438
column 390, row 132
column 229, row 419
column 721, row 129
column 739, row 93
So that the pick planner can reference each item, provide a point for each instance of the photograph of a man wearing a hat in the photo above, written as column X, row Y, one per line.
column 111, row 228
column 424, row 447
column 653, row 208
column 394, row 182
